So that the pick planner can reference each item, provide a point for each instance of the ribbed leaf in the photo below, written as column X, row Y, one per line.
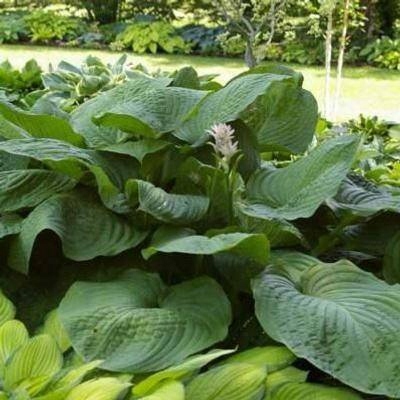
column 178, row 209
column 65, row 381
column 41, row 126
column 212, row 181
column 75, row 375
column 302, row 391
column 13, row 335
column 225, row 105
column 298, row 262
column 178, row 371
column 7, row 309
column 50, row 150
column 10, row 131
column 228, row 382
column 110, row 170
column 36, row 361
column 285, row 375
column 271, row 357
column 148, row 326
column 27, row 188
column 98, row 389
column 139, row 149
column 171, row 390
column 391, row 260
column 297, row 190
column 86, row 229
column 10, row 162
column 284, row 119
column 147, row 111
column 52, row 326
column 180, row 240
column 363, row 198
column 10, row 224
column 130, row 92
column 371, row 236
column 340, row 318
column 279, row 232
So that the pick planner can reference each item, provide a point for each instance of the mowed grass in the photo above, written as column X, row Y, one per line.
column 366, row 90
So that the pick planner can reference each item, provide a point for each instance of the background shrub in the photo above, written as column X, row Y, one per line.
column 16, row 83
column 202, row 39
column 151, row 36
column 46, row 26
column 384, row 53
column 12, row 27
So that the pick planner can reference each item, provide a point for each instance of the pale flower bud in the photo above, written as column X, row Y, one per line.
column 223, row 135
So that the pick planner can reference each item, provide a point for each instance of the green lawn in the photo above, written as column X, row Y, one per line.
column 365, row 90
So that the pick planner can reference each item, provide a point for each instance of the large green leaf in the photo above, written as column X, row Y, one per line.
column 363, row 198
column 147, row 111
column 41, row 126
column 178, row 209
column 137, row 92
column 7, row 309
column 181, row 240
column 147, row 325
column 284, row 119
column 297, row 190
column 340, row 318
column 225, row 105
column 85, row 228
column 27, row 188
column 229, row 382
column 303, row 391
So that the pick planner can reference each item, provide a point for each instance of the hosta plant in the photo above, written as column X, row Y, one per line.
column 34, row 367
column 167, row 215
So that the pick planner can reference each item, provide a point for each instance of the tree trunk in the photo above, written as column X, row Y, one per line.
column 328, row 62
column 105, row 11
column 249, row 57
column 370, row 14
column 342, row 49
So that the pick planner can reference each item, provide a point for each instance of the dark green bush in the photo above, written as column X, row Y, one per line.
column 111, row 31
column 202, row 39
column 12, row 27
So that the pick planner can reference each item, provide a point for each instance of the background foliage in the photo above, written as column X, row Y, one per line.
column 298, row 32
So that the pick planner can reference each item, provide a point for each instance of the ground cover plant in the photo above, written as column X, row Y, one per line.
column 194, row 241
